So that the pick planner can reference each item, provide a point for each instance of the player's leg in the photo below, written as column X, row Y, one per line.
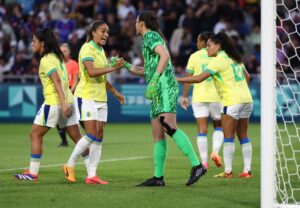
column 159, row 155
column 45, row 119
column 63, row 137
column 96, row 146
column 218, row 136
column 202, row 142
column 242, row 133
column 168, row 121
column 90, row 124
column 201, row 114
column 229, row 122
column 36, row 137
column 81, row 148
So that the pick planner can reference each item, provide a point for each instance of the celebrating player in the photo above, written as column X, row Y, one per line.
column 92, row 99
column 58, row 107
column 231, row 79
column 205, row 102
column 162, row 90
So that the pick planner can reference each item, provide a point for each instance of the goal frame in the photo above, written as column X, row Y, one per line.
column 268, row 103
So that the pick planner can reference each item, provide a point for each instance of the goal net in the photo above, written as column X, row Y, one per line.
column 287, row 150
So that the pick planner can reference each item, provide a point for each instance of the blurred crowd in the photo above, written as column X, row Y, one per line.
column 288, row 41
column 181, row 21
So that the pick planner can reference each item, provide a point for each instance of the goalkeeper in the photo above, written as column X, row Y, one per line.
column 162, row 90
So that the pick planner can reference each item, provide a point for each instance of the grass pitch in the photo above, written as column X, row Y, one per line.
column 126, row 161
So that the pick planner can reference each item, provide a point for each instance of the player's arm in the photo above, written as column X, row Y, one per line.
column 138, row 70
column 184, row 98
column 94, row 72
column 194, row 79
column 115, row 92
column 164, row 58
column 247, row 76
column 62, row 98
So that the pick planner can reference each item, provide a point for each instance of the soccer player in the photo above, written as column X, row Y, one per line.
column 231, row 79
column 92, row 100
column 162, row 90
column 73, row 70
column 205, row 102
column 58, row 107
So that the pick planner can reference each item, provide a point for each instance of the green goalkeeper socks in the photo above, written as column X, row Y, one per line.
column 159, row 156
column 183, row 143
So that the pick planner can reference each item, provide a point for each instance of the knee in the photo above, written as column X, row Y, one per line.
column 33, row 135
column 168, row 129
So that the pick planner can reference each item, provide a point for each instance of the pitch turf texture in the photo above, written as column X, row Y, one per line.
column 126, row 161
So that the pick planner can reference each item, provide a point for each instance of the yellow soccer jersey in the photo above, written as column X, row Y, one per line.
column 229, row 80
column 204, row 91
column 49, row 64
column 92, row 88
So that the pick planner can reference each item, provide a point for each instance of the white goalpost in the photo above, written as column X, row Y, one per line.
column 268, row 120
column 280, row 104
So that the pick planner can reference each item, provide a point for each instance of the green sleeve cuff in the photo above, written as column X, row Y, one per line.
column 87, row 59
column 210, row 71
column 190, row 71
column 51, row 72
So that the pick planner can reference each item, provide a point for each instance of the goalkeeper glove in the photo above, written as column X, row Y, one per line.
column 127, row 65
column 113, row 61
column 151, row 87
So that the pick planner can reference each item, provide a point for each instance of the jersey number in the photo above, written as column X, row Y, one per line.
column 238, row 72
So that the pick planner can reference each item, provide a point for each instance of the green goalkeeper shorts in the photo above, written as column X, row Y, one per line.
column 164, row 101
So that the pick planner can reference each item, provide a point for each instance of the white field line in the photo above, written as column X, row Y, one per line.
column 61, row 164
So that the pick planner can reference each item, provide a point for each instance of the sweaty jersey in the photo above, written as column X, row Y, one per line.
column 229, row 80
column 204, row 91
column 48, row 65
column 92, row 88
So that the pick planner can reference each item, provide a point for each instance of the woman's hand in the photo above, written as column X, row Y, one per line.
column 66, row 110
column 184, row 103
column 120, row 98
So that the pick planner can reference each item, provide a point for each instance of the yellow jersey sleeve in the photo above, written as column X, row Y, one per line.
column 48, row 65
column 93, row 88
column 204, row 91
column 190, row 68
column 229, row 80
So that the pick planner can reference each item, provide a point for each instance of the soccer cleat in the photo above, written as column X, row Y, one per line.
column 224, row 175
column 246, row 174
column 95, row 180
column 26, row 176
column 196, row 173
column 69, row 173
column 216, row 158
column 154, row 181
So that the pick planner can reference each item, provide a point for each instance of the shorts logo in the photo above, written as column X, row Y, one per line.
column 88, row 114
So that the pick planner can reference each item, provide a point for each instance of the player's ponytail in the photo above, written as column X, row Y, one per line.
column 151, row 22
column 93, row 28
column 50, row 42
column 227, row 45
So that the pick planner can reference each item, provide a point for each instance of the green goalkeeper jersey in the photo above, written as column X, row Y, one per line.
column 151, row 59
column 165, row 98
